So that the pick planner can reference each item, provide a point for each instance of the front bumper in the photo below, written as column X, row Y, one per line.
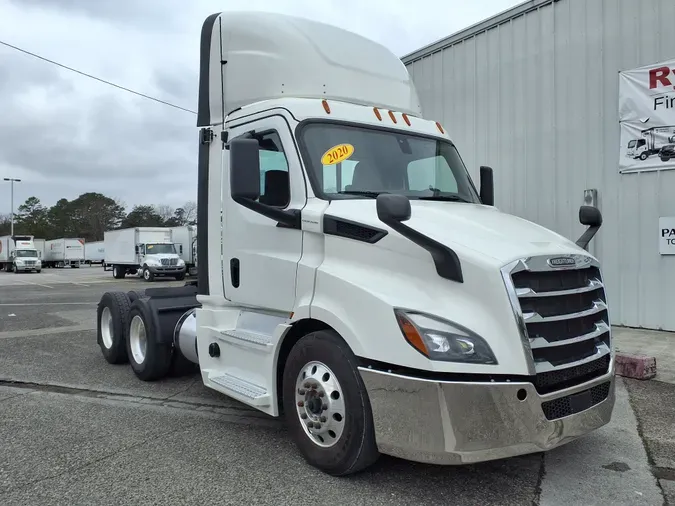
column 458, row 423
column 167, row 270
column 27, row 268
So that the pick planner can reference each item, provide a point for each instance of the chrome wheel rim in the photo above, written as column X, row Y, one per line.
column 320, row 404
column 107, row 328
column 137, row 339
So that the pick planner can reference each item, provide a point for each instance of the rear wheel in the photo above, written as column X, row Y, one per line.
column 149, row 359
column 118, row 272
column 326, row 405
column 112, row 321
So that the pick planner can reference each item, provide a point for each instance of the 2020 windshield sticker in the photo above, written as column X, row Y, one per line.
column 337, row 154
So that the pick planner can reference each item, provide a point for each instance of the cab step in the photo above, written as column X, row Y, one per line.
column 248, row 339
column 253, row 394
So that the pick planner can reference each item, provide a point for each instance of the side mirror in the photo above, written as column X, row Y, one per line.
column 393, row 208
column 244, row 169
column 487, row 186
column 592, row 218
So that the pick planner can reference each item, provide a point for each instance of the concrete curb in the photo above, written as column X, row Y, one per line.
column 640, row 367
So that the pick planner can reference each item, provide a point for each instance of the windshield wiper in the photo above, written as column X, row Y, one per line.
column 446, row 198
column 371, row 194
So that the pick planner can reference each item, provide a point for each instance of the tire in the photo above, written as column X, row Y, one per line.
column 354, row 449
column 111, row 337
column 643, row 156
column 118, row 272
column 147, row 275
column 38, row 271
column 180, row 277
column 665, row 159
column 149, row 360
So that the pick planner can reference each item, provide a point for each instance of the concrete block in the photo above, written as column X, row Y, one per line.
column 640, row 367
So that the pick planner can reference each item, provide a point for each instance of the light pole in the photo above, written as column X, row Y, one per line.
column 11, row 199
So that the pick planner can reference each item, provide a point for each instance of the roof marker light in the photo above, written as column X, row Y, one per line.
column 406, row 119
column 326, row 107
column 440, row 128
column 393, row 118
column 377, row 113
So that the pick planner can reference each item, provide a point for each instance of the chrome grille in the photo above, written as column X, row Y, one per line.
column 561, row 309
column 30, row 262
column 169, row 261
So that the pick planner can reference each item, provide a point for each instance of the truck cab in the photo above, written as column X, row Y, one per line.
column 158, row 259
column 24, row 256
column 355, row 280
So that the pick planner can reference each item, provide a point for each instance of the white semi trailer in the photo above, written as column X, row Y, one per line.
column 64, row 252
column 185, row 238
column 94, row 252
column 19, row 254
column 149, row 251
column 394, row 310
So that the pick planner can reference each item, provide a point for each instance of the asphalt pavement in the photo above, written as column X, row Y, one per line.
column 77, row 430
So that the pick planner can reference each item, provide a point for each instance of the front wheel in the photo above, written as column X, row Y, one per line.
column 326, row 405
column 643, row 156
column 147, row 275
column 180, row 277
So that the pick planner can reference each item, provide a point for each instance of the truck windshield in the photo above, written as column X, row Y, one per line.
column 25, row 253
column 348, row 161
column 154, row 249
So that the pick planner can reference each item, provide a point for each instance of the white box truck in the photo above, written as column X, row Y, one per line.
column 185, row 239
column 94, row 252
column 40, row 247
column 18, row 254
column 352, row 277
column 149, row 251
column 64, row 252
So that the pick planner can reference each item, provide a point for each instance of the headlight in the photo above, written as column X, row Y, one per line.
column 181, row 263
column 153, row 263
column 19, row 261
column 439, row 339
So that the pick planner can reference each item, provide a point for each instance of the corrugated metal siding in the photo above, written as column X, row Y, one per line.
column 536, row 97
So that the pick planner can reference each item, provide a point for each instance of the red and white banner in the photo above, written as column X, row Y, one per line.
column 647, row 118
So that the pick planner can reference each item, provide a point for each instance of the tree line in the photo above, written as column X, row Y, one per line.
column 90, row 215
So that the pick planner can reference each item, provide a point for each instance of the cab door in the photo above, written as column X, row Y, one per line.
column 260, row 258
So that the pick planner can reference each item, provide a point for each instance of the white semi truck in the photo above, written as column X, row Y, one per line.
column 185, row 238
column 64, row 252
column 148, row 251
column 94, row 253
column 18, row 254
column 389, row 310
column 40, row 247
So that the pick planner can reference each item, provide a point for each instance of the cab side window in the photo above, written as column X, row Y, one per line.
column 275, row 188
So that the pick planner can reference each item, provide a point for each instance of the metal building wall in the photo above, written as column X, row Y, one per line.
column 533, row 92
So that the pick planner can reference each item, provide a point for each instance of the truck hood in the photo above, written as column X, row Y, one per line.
column 160, row 256
column 467, row 228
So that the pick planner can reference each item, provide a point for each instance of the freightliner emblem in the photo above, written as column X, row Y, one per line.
column 562, row 262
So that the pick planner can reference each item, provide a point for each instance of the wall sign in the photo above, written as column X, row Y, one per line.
column 647, row 118
column 667, row 235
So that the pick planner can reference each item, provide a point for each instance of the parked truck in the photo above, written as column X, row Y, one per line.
column 374, row 314
column 185, row 238
column 94, row 253
column 148, row 251
column 40, row 247
column 18, row 254
column 64, row 252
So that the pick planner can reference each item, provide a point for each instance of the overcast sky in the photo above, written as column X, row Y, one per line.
column 64, row 134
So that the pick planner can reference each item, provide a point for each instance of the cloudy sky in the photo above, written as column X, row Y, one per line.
column 64, row 134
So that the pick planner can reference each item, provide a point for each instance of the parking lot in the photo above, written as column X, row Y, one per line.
column 76, row 430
